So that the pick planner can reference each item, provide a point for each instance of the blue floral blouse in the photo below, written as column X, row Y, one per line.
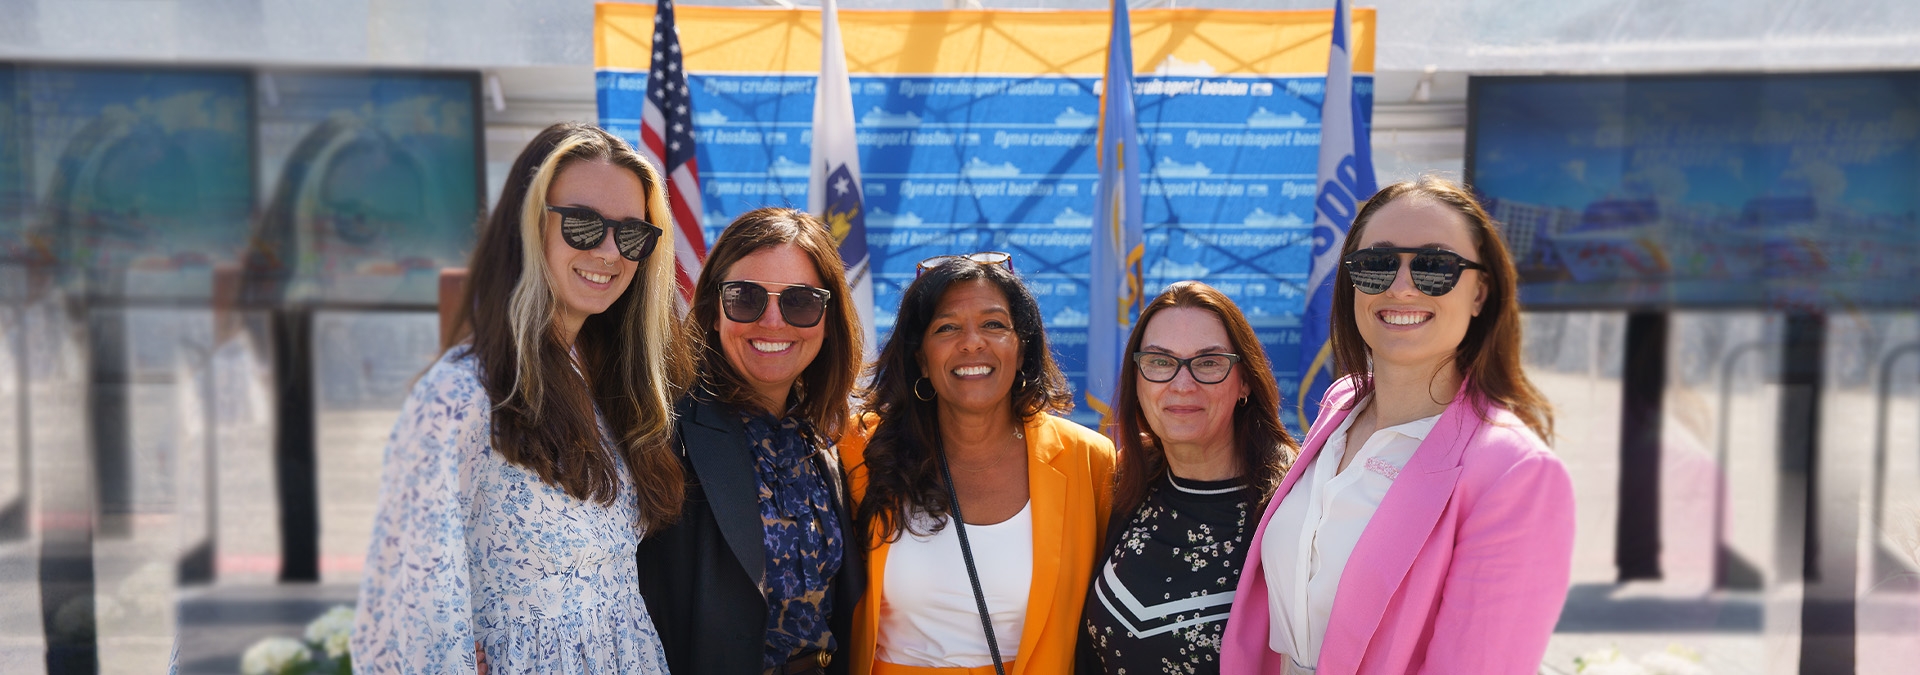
column 468, row 547
column 803, row 539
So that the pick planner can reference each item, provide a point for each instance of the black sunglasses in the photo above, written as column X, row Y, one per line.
column 584, row 229
column 1434, row 271
column 801, row 306
column 983, row 257
column 1206, row 368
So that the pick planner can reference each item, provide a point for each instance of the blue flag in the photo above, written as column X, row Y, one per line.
column 1118, row 245
column 1346, row 181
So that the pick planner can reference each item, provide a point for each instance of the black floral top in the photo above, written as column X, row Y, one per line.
column 1160, row 603
column 803, row 538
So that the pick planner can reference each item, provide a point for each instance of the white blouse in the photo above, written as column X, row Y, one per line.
column 1317, row 525
column 928, row 617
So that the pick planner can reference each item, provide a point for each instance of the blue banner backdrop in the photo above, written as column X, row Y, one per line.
column 956, row 164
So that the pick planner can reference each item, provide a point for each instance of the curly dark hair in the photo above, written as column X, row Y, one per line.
column 902, row 456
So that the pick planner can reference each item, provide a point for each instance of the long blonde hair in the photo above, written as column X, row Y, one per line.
column 544, row 410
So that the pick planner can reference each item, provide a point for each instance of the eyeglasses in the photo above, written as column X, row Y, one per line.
column 1206, row 368
column 1434, row 271
column 584, row 229
column 983, row 257
column 801, row 306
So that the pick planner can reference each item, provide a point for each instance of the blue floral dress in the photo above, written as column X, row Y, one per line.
column 468, row 547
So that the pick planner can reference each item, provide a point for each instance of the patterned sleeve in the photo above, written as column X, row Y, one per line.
column 414, row 614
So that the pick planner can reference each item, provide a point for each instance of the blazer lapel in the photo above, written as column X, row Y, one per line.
column 716, row 446
column 1332, row 412
column 1047, row 494
column 1394, row 537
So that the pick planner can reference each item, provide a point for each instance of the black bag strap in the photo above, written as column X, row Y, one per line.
column 973, row 575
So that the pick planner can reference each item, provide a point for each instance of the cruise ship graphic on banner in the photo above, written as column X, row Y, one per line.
column 880, row 218
column 1267, row 119
column 881, row 118
column 1260, row 218
column 978, row 169
column 1075, row 119
column 1071, row 218
column 787, row 168
column 1167, row 168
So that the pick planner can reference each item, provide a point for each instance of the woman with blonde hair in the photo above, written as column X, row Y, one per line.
column 1426, row 526
column 533, row 455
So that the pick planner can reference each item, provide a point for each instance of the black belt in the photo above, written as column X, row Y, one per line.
column 809, row 663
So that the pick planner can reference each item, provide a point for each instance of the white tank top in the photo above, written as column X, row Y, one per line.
column 928, row 617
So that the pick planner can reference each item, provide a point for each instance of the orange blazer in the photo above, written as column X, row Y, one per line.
column 1070, row 486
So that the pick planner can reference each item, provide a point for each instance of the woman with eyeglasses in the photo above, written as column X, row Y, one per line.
column 1426, row 526
column 1201, row 448
column 982, row 508
column 758, row 576
column 533, row 455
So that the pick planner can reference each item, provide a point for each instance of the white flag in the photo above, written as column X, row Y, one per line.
column 833, row 185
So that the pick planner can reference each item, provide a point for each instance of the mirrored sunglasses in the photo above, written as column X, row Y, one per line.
column 801, row 306
column 1434, row 271
column 584, row 229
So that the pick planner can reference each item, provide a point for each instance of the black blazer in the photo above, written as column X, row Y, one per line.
column 701, row 576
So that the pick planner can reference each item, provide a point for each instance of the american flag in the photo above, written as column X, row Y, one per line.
column 666, row 137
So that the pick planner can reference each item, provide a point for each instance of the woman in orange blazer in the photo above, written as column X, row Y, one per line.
column 982, row 509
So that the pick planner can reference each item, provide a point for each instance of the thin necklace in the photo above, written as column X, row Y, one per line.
column 1016, row 434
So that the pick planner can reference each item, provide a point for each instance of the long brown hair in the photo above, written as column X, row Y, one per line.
column 903, row 466
column 1489, row 356
column 821, row 394
column 543, row 408
column 1264, row 447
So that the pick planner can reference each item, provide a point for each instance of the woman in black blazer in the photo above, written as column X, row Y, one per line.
column 759, row 575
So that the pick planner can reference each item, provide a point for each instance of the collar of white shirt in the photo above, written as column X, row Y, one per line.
column 1416, row 430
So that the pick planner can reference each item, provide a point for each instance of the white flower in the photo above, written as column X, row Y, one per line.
column 1614, row 668
column 332, row 631
column 1585, row 663
column 273, row 656
column 1671, row 663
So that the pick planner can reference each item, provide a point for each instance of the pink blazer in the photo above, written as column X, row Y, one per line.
column 1463, row 569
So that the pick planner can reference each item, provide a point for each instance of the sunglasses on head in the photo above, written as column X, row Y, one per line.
column 801, row 306
column 1434, row 271
column 584, row 229
column 983, row 257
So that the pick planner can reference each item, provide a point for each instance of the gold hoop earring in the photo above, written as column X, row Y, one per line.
column 1022, row 383
column 1243, row 401
column 916, row 389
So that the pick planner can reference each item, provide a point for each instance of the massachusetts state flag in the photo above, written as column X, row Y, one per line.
column 833, row 186
column 1118, row 245
column 1346, row 181
column 666, row 138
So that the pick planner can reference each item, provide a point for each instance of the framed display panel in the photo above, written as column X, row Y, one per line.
column 370, row 182
column 1786, row 191
column 135, row 182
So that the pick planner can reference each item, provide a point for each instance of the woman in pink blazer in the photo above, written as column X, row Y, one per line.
column 1425, row 527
